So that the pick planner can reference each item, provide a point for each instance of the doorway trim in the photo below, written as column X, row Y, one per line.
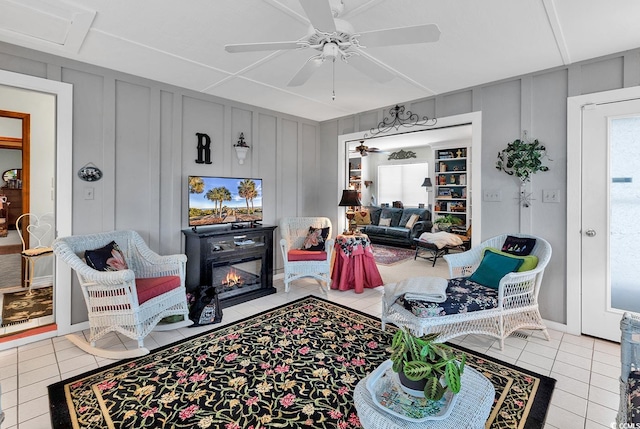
column 474, row 119
column 63, row 93
column 575, row 106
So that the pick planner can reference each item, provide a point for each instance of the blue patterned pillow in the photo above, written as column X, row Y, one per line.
column 493, row 268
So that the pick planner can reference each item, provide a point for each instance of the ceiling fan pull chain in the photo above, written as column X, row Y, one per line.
column 333, row 96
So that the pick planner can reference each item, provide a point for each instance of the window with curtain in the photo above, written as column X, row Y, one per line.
column 401, row 182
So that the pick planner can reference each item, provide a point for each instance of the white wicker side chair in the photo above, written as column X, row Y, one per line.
column 299, row 263
column 130, row 301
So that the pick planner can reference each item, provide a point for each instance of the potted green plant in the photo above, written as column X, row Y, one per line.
column 522, row 158
column 421, row 360
column 444, row 222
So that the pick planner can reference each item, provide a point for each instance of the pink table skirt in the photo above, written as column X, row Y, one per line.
column 354, row 266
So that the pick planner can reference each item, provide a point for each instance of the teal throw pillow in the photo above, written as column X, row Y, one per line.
column 493, row 268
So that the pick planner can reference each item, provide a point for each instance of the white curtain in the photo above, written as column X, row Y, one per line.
column 402, row 182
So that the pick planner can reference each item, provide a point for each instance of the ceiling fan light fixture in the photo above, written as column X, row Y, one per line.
column 331, row 50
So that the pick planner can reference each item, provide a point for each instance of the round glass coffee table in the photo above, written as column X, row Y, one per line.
column 471, row 409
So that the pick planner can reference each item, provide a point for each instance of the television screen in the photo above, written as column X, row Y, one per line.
column 217, row 200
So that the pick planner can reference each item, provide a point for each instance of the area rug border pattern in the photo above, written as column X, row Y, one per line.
column 534, row 420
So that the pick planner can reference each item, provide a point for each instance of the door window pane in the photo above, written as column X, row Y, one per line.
column 624, row 212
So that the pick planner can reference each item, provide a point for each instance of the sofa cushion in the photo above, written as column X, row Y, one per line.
column 362, row 219
column 315, row 239
column 107, row 258
column 463, row 296
column 407, row 213
column 155, row 286
column 385, row 221
column 393, row 214
column 529, row 262
column 520, row 246
column 295, row 255
column 374, row 213
column 412, row 221
column 375, row 230
column 398, row 232
column 493, row 268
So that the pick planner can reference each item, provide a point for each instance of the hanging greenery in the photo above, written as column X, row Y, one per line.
column 522, row 158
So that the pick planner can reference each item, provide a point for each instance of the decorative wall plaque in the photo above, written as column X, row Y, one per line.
column 90, row 173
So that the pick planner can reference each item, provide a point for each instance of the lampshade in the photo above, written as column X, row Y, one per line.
column 427, row 182
column 349, row 198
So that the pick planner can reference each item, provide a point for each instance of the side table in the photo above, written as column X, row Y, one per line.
column 471, row 410
column 354, row 266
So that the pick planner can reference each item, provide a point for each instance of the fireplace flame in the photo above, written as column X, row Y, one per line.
column 232, row 279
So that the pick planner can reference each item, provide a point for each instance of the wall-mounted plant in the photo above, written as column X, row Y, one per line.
column 522, row 158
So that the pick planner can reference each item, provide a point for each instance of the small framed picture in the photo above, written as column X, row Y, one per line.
column 444, row 192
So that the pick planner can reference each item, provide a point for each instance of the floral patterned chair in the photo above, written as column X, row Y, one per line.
column 314, row 261
column 127, row 289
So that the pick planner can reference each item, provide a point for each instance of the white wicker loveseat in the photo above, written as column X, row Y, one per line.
column 300, row 263
column 116, row 301
column 517, row 299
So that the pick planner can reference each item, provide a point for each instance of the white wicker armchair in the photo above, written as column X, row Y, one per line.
column 112, row 296
column 293, row 231
column 517, row 299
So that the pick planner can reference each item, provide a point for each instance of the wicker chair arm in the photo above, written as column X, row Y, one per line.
column 329, row 247
column 155, row 259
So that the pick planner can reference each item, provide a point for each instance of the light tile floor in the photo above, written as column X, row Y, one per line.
column 586, row 369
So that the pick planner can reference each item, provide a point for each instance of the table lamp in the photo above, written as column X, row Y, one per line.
column 350, row 199
column 427, row 184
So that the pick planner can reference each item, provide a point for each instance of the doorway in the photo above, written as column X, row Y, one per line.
column 23, row 309
column 603, row 132
column 444, row 125
column 52, row 161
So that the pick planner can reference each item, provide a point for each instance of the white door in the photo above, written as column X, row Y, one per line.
column 610, row 216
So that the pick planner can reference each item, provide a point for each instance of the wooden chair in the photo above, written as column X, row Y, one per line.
column 36, row 234
column 300, row 263
column 130, row 301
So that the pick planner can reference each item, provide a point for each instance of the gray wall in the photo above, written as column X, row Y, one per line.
column 536, row 103
column 141, row 133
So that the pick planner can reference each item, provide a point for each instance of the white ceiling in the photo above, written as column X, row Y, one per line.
column 182, row 43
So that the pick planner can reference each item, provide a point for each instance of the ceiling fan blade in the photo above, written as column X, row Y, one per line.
column 320, row 15
column 400, row 36
column 262, row 46
column 306, row 71
column 370, row 68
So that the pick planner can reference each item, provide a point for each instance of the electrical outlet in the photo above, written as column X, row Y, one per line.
column 88, row 193
column 551, row 196
column 492, row 195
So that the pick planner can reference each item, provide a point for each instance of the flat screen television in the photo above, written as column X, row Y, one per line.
column 223, row 200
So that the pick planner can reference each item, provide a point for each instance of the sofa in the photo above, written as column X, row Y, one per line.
column 373, row 223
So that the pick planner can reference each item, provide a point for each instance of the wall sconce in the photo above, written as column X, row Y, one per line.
column 427, row 184
column 350, row 199
column 368, row 183
column 241, row 149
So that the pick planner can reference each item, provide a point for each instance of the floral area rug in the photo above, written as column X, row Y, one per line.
column 388, row 255
column 294, row 366
column 17, row 307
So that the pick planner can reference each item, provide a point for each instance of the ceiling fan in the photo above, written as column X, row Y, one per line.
column 335, row 38
column 365, row 150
